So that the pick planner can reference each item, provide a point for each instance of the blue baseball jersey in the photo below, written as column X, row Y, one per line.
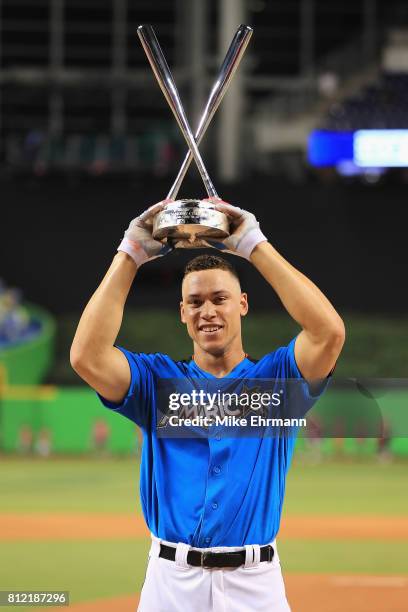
column 213, row 490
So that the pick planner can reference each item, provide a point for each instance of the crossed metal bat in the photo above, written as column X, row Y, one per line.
column 165, row 79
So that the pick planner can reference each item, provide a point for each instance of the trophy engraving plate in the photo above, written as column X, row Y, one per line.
column 190, row 220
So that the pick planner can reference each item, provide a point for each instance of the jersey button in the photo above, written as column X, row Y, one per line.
column 214, row 505
column 207, row 540
column 218, row 437
column 217, row 469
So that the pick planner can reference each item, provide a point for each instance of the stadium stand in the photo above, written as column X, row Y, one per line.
column 76, row 92
column 379, row 105
column 16, row 324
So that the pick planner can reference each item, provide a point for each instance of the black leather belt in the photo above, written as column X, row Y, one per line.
column 215, row 559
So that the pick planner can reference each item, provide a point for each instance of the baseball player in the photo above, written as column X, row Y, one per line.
column 212, row 504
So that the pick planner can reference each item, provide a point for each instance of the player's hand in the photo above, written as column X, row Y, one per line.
column 245, row 233
column 138, row 241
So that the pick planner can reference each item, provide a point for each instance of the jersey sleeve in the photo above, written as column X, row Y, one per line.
column 304, row 395
column 289, row 364
column 136, row 405
column 300, row 395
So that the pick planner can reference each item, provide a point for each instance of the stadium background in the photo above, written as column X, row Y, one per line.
column 87, row 142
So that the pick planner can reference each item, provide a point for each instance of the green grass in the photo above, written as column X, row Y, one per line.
column 346, row 557
column 367, row 487
column 88, row 569
column 69, row 485
column 95, row 569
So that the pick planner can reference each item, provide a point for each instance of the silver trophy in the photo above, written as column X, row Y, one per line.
column 189, row 223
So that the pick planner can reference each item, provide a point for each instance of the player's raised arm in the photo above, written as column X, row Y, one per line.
column 321, row 340
column 93, row 354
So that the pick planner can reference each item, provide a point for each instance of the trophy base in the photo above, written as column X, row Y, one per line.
column 189, row 223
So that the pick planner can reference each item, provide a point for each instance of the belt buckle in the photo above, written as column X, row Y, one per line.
column 205, row 556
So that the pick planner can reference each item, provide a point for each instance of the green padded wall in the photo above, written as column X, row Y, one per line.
column 69, row 414
column 69, row 417
column 29, row 363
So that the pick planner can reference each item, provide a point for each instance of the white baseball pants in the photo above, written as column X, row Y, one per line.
column 175, row 586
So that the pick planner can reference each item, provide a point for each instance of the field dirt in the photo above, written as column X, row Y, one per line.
column 306, row 592
column 113, row 526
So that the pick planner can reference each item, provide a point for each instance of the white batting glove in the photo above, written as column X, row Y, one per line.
column 245, row 231
column 138, row 241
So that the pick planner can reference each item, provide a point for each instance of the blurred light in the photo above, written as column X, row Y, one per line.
column 381, row 148
column 348, row 168
column 373, row 175
column 329, row 148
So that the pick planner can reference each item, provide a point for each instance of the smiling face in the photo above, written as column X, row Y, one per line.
column 212, row 306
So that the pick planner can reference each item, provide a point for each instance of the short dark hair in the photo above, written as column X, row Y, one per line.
column 210, row 262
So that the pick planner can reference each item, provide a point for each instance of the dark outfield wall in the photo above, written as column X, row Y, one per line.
column 58, row 238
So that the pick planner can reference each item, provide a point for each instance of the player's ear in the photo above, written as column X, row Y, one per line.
column 244, row 304
column 182, row 317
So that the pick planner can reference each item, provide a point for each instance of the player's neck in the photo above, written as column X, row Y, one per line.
column 220, row 364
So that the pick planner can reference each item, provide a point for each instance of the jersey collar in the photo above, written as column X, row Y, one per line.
column 233, row 374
